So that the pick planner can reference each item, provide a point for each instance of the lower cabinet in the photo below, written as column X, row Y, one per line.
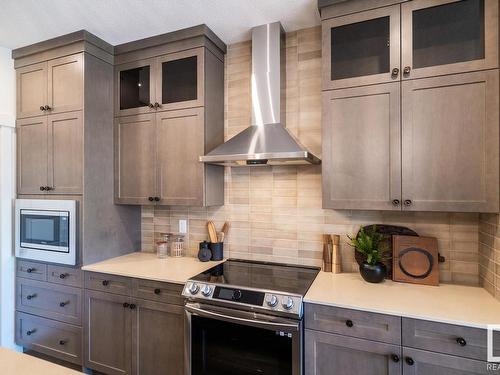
column 128, row 335
column 328, row 353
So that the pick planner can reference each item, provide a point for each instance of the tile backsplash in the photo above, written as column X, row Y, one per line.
column 489, row 253
column 275, row 212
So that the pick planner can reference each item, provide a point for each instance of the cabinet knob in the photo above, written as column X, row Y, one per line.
column 63, row 275
column 132, row 306
column 30, row 332
column 406, row 70
column 395, row 358
column 47, row 108
column 105, row 282
column 157, row 199
column 62, row 304
column 407, row 202
column 151, row 105
column 409, row 361
column 395, row 72
column 31, row 296
column 42, row 188
column 461, row 341
column 349, row 323
column 125, row 304
column 395, row 202
column 62, row 342
column 48, row 188
column 42, row 108
column 157, row 105
column 151, row 199
column 157, row 291
column 30, row 270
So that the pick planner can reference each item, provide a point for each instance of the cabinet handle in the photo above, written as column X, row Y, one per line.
column 157, row 105
column 151, row 199
column 42, row 108
column 461, row 341
column 47, row 108
column 406, row 70
column 349, row 323
column 157, row 291
column 395, row 202
column 62, row 304
column 132, row 306
column 62, row 342
column 42, row 188
column 407, row 202
column 105, row 282
column 63, row 275
column 409, row 361
column 31, row 296
column 48, row 188
column 151, row 105
column 30, row 270
column 395, row 358
column 31, row 331
column 395, row 72
column 157, row 199
column 126, row 304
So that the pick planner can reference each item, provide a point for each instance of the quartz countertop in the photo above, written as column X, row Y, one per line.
column 148, row 266
column 454, row 304
column 15, row 363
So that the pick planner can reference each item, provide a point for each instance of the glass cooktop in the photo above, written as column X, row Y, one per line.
column 261, row 275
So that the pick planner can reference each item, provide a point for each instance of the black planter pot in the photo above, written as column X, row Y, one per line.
column 372, row 274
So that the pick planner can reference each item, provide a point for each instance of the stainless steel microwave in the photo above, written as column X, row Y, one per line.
column 46, row 230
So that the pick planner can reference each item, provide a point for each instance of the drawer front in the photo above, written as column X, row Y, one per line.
column 447, row 338
column 32, row 270
column 59, row 340
column 108, row 283
column 52, row 301
column 157, row 291
column 64, row 275
column 355, row 323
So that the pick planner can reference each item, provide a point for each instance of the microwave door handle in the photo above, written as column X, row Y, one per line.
column 233, row 319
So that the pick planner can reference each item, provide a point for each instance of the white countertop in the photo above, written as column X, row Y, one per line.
column 14, row 363
column 148, row 266
column 455, row 304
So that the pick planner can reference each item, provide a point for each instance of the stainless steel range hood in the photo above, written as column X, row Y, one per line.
column 266, row 141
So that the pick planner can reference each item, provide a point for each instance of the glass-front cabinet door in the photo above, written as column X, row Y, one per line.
column 362, row 48
column 444, row 37
column 180, row 82
column 135, row 89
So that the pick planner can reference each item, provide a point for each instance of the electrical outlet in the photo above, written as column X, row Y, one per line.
column 183, row 226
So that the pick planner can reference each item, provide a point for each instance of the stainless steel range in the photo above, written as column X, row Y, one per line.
column 245, row 317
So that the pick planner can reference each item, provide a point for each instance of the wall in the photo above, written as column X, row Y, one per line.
column 7, row 191
column 275, row 212
column 489, row 253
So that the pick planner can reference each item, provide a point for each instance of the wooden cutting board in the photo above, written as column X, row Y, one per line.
column 415, row 260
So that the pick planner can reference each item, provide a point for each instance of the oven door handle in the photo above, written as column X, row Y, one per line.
column 233, row 319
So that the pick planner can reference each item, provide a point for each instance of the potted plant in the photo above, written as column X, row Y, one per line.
column 372, row 245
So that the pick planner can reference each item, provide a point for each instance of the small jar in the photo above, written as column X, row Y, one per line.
column 162, row 249
column 177, row 246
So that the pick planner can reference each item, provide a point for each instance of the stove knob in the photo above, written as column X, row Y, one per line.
column 272, row 300
column 194, row 288
column 206, row 290
column 237, row 295
column 287, row 303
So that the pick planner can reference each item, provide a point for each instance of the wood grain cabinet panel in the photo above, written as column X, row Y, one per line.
column 361, row 148
column 327, row 354
column 108, row 283
column 31, row 270
column 65, row 275
column 65, row 83
column 450, row 143
column 31, row 90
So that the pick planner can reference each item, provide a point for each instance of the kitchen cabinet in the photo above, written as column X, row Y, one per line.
column 50, row 154
column 53, row 86
column 362, row 148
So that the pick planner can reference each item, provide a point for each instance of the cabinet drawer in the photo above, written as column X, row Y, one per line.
column 64, row 275
column 58, row 302
column 447, row 338
column 158, row 291
column 108, row 283
column 32, row 270
column 372, row 326
column 59, row 340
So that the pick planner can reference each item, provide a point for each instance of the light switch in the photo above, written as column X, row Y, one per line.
column 183, row 226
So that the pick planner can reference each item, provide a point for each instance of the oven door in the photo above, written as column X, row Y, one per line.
column 223, row 341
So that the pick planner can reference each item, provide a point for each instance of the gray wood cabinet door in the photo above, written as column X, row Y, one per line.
column 108, row 333
column 361, row 148
column 158, row 338
column 135, row 159
column 419, row 362
column 448, row 36
column 65, row 83
column 31, row 90
column 450, row 138
column 32, row 151
column 179, row 144
column 65, row 153
column 327, row 354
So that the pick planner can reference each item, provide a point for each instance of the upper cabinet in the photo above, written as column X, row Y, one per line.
column 417, row 39
column 172, row 81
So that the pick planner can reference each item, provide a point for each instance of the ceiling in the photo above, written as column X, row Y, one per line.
column 23, row 22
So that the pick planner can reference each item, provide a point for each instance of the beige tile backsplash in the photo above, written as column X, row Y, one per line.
column 275, row 212
column 489, row 253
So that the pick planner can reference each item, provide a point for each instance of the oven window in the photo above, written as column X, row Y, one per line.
column 221, row 348
column 44, row 231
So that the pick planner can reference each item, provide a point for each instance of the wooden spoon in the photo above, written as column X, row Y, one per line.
column 212, row 233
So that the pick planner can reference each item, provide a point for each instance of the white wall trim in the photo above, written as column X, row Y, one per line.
column 7, row 120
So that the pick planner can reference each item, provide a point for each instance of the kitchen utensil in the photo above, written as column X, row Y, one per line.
column 212, row 233
column 415, row 260
column 225, row 228
column 327, row 253
column 336, row 257
column 389, row 231
column 220, row 237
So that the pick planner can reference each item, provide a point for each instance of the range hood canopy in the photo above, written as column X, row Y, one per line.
column 266, row 141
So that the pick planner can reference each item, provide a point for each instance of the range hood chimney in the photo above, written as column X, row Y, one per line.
column 266, row 141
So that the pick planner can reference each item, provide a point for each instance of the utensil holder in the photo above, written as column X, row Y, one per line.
column 217, row 250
